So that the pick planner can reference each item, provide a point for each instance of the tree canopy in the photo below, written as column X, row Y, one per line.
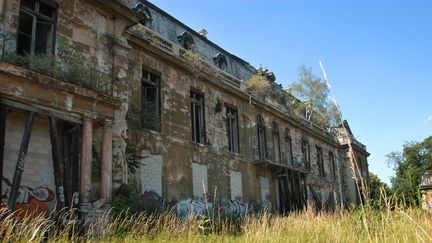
column 315, row 95
column 410, row 165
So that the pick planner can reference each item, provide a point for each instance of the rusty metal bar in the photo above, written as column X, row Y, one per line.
column 20, row 161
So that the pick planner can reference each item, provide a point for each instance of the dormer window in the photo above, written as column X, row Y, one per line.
column 220, row 61
column 144, row 11
column 186, row 41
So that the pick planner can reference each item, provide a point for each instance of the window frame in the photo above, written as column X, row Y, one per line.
column 276, row 142
column 306, row 152
column 37, row 17
column 262, row 139
column 233, row 136
column 197, row 99
column 320, row 161
column 333, row 165
column 157, row 85
column 288, row 147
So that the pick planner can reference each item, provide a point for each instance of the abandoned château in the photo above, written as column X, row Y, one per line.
column 96, row 94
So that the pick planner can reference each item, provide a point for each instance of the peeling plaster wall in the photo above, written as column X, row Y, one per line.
column 174, row 144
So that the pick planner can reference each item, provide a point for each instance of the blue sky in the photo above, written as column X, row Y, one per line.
column 377, row 55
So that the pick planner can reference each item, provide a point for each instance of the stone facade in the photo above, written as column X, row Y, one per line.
column 155, row 90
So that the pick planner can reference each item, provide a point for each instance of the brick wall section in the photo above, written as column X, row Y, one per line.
column 38, row 169
column 199, row 175
column 151, row 172
column 236, row 185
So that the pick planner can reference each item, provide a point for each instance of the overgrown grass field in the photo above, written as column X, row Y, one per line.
column 361, row 225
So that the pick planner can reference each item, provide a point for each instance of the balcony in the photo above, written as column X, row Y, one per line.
column 67, row 65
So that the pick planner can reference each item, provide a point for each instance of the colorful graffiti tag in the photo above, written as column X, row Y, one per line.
column 32, row 200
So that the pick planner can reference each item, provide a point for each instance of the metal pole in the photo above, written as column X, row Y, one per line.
column 20, row 161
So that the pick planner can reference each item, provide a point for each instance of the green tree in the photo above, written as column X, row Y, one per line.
column 409, row 166
column 314, row 93
column 376, row 188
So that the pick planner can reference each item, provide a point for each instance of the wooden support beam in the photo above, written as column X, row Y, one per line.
column 58, row 175
column 3, row 116
column 21, row 161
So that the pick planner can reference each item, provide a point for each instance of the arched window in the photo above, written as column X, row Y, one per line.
column 276, row 143
column 186, row 41
column 288, row 147
column 262, row 147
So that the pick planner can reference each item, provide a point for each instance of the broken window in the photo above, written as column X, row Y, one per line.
column 276, row 143
column 197, row 114
column 36, row 28
column 332, row 164
column 288, row 147
column 320, row 162
column 232, row 127
column 262, row 147
column 306, row 153
column 150, row 94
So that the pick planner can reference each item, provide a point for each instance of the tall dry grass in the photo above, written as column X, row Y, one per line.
column 390, row 224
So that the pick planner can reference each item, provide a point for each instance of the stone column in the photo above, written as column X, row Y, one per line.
column 86, row 160
column 106, row 183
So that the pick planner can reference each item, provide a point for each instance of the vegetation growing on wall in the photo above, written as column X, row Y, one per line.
column 259, row 85
column 68, row 65
column 314, row 93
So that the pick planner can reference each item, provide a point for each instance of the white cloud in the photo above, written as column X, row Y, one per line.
column 428, row 120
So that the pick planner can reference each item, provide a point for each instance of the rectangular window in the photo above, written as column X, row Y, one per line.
column 232, row 127
column 150, row 95
column 306, row 153
column 320, row 162
column 197, row 115
column 262, row 148
column 36, row 28
column 288, row 147
column 332, row 164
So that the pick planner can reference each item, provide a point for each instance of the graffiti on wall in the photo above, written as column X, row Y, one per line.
column 33, row 200
column 187, row 208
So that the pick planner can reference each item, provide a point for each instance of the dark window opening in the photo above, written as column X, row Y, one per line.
column 197, row 115
column 232, row 127
column 306, row 153
column 262, row 141
column 320, row 162
column 276, row 142
column 288, row 148
column 36, row 28
column 332, row 164
column 150, row 94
